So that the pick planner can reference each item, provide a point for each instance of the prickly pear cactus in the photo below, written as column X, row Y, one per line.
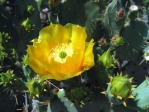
column 110, row 16
column 131, row 32
column 141, row 97
column 113, row 36
column 119, row 89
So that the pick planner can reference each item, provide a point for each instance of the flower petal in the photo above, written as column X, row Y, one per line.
column 44, row 70
column 54, row 34
column 89, row 56
column 34, row 51
column 78, row 36
column 39, row 66
column 70, row 66
column 37, row 50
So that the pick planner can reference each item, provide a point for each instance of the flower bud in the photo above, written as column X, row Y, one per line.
column 117, row 41
column 133, row 11
column 121, row 86
column 27, row 25
column 119, row 89
column 106, row 59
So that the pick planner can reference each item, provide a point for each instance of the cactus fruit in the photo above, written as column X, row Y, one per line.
column 119, row 89
column 117, row 41
column 107, row 60
column 141, row 97
column 106, row 63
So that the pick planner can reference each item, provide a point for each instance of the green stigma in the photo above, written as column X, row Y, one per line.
column 62, row 54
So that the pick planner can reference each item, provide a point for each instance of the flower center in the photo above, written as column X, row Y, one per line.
column 61, row 52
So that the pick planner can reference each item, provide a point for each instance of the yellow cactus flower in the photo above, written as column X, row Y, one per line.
column 61, row 52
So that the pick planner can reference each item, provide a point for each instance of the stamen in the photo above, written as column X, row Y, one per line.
column 61, row 52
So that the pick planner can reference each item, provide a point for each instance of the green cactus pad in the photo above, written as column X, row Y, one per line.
column 109, row 20
column 134, row 33
column 141, row 97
